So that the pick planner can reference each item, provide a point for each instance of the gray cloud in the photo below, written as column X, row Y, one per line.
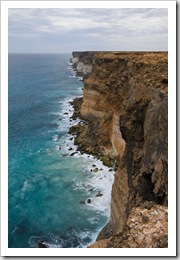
column 65, row 30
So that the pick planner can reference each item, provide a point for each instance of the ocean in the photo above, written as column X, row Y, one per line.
column 48, row 188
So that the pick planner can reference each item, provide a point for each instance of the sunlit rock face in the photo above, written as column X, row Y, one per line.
column 125, row 113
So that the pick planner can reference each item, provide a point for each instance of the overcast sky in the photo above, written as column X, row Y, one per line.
column 66, row 30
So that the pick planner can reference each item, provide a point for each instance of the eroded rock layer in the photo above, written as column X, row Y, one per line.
column 125, row 109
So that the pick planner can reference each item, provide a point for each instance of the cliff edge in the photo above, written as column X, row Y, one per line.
column 125, row 113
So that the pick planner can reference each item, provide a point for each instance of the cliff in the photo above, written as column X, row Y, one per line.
column 82, row 63
column 125, row 110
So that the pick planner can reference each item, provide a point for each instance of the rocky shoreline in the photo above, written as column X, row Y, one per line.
column 82, row 131
column 124, row 124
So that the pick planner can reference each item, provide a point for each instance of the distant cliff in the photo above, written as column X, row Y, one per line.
column 82, row 63
column 125, row 112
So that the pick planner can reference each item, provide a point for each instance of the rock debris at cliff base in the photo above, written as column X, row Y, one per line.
column 124, row 115
column 145, row 228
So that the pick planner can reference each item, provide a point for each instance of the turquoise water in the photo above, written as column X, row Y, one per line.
column 46, row 185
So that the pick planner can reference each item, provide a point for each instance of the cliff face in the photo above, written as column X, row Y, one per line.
column 125, row 108
column 82, row 63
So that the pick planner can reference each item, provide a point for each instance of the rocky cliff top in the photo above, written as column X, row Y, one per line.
column 146, row 57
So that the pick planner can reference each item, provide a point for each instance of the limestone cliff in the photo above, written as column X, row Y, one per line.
column 82, row 63
column 125, row 109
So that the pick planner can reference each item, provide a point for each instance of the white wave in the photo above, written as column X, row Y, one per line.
column 24, row 188
column 55, row 137
column 72, row 77
column 25, row 185
column 80, row 78
column 101, row 183
column 70, row 62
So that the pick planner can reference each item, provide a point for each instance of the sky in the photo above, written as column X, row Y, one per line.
column 62, row 30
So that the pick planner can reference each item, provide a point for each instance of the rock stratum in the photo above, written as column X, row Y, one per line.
column 124, row 114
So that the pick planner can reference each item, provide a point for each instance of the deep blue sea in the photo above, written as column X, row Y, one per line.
column 46, row 185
